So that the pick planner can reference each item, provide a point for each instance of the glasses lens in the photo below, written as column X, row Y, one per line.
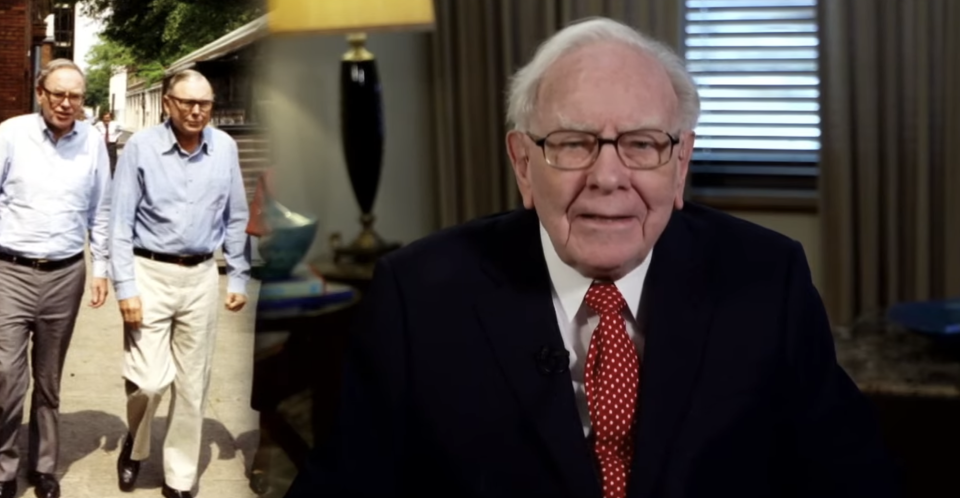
column 189, row 105
column 570, row 149
column 57, row 98
column 644, row 149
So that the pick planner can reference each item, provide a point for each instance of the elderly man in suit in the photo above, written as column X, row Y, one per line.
column 609, row 339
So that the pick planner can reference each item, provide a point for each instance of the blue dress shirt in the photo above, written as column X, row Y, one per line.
column 169, row 201
column 53, row 194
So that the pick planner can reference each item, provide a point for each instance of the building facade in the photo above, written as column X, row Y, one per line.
column 26, row 44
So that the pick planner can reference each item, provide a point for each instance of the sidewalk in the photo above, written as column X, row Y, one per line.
column 93, row 420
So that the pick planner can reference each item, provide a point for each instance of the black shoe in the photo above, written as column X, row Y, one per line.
column 259, row 482
column 44, row 485
column 169, row 492
column 8, row 489
column 127, row 469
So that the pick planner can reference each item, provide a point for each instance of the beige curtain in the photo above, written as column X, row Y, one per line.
column 477, row 46
column 890, row 171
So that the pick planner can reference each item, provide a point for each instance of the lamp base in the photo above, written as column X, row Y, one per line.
column 365, row 249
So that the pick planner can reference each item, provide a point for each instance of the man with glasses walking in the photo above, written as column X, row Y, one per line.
column 179, row 196
column 54, row 191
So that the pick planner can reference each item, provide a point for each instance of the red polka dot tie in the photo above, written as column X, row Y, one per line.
column 612, row 374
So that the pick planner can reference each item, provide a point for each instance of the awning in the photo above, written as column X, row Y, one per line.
column 225, row 45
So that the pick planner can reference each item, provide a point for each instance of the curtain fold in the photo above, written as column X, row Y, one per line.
column 477, row 45
column 890, row 107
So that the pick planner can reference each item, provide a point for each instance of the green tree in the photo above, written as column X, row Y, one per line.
column 152, row 34
column 103, row 60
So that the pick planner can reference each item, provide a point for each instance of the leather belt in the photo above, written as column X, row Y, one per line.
column 41, row 264
column 191, row 260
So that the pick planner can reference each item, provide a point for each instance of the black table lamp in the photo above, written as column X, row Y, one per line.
column 361, row 104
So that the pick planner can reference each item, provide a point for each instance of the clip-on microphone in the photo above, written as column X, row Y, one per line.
column 553, row 361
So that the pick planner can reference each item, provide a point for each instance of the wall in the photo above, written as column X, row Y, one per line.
column 300, row 88
column 802, row 227
column 118, row 96
column 14, row 61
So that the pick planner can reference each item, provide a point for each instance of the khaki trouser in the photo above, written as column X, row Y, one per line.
column 174, row 345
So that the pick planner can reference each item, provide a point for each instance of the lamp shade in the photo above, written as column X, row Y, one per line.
column 344, row 16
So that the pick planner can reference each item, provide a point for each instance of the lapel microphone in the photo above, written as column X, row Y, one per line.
column 553, row 361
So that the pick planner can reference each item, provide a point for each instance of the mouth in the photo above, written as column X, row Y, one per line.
column 606, row 219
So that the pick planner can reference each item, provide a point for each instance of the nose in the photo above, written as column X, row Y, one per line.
column 608, row 172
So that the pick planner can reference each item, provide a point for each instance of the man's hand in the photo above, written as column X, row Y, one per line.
column 132, row 312
column 98, row 292
column 235, row 302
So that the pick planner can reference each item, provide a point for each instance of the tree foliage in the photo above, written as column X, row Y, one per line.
column 146, row 36
column 155, row 33
column 102, row 60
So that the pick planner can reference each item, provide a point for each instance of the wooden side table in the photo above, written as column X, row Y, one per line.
column 358, row 276
column 310, row 358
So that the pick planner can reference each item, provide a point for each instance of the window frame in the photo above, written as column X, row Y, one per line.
column 771, row 180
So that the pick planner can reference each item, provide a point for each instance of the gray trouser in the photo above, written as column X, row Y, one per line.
column 41, row 305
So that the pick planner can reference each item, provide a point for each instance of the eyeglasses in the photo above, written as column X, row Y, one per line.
column 574, row 150
column 57, row 98
column 187, row 105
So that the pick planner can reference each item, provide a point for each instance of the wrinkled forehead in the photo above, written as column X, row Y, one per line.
column 65, row 79
column 606, row 86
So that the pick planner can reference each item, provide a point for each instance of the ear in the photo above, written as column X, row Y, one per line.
column 518, row 150
column 684, row 157
column 39, row 92
column 166, row 105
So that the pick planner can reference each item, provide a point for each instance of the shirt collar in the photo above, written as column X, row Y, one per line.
column 571, row 287
column 45, row 130
column 206, row 144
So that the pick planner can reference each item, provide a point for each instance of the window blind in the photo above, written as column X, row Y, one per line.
column 755, row 64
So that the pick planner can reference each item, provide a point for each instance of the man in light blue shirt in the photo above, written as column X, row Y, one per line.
column 54, row 192
column 178, row 197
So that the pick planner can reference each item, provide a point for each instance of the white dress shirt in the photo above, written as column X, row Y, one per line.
column 577, row 321
column 113, row 127
column 53, row 194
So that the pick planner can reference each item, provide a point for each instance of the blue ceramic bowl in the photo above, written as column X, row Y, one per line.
column 284, row 248
column 939, row 319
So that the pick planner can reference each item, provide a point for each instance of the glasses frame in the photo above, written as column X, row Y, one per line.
column 57, row 98
column 541, row 142
column 205, row 105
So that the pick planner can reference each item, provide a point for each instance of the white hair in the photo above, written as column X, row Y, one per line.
column 56, row 65
column 525, row 83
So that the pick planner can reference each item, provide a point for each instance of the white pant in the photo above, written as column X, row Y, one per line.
column 175, row 345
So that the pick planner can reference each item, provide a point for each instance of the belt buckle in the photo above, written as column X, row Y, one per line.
column 37, row 263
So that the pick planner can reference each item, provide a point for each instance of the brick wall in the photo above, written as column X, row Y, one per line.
column 15, row 31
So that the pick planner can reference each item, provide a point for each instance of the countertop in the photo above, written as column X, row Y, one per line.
column 883, row 358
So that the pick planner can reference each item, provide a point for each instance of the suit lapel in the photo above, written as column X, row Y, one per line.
column 519, row 319
column 678, row 309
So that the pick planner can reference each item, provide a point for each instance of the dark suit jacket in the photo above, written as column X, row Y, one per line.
column 740, row 394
